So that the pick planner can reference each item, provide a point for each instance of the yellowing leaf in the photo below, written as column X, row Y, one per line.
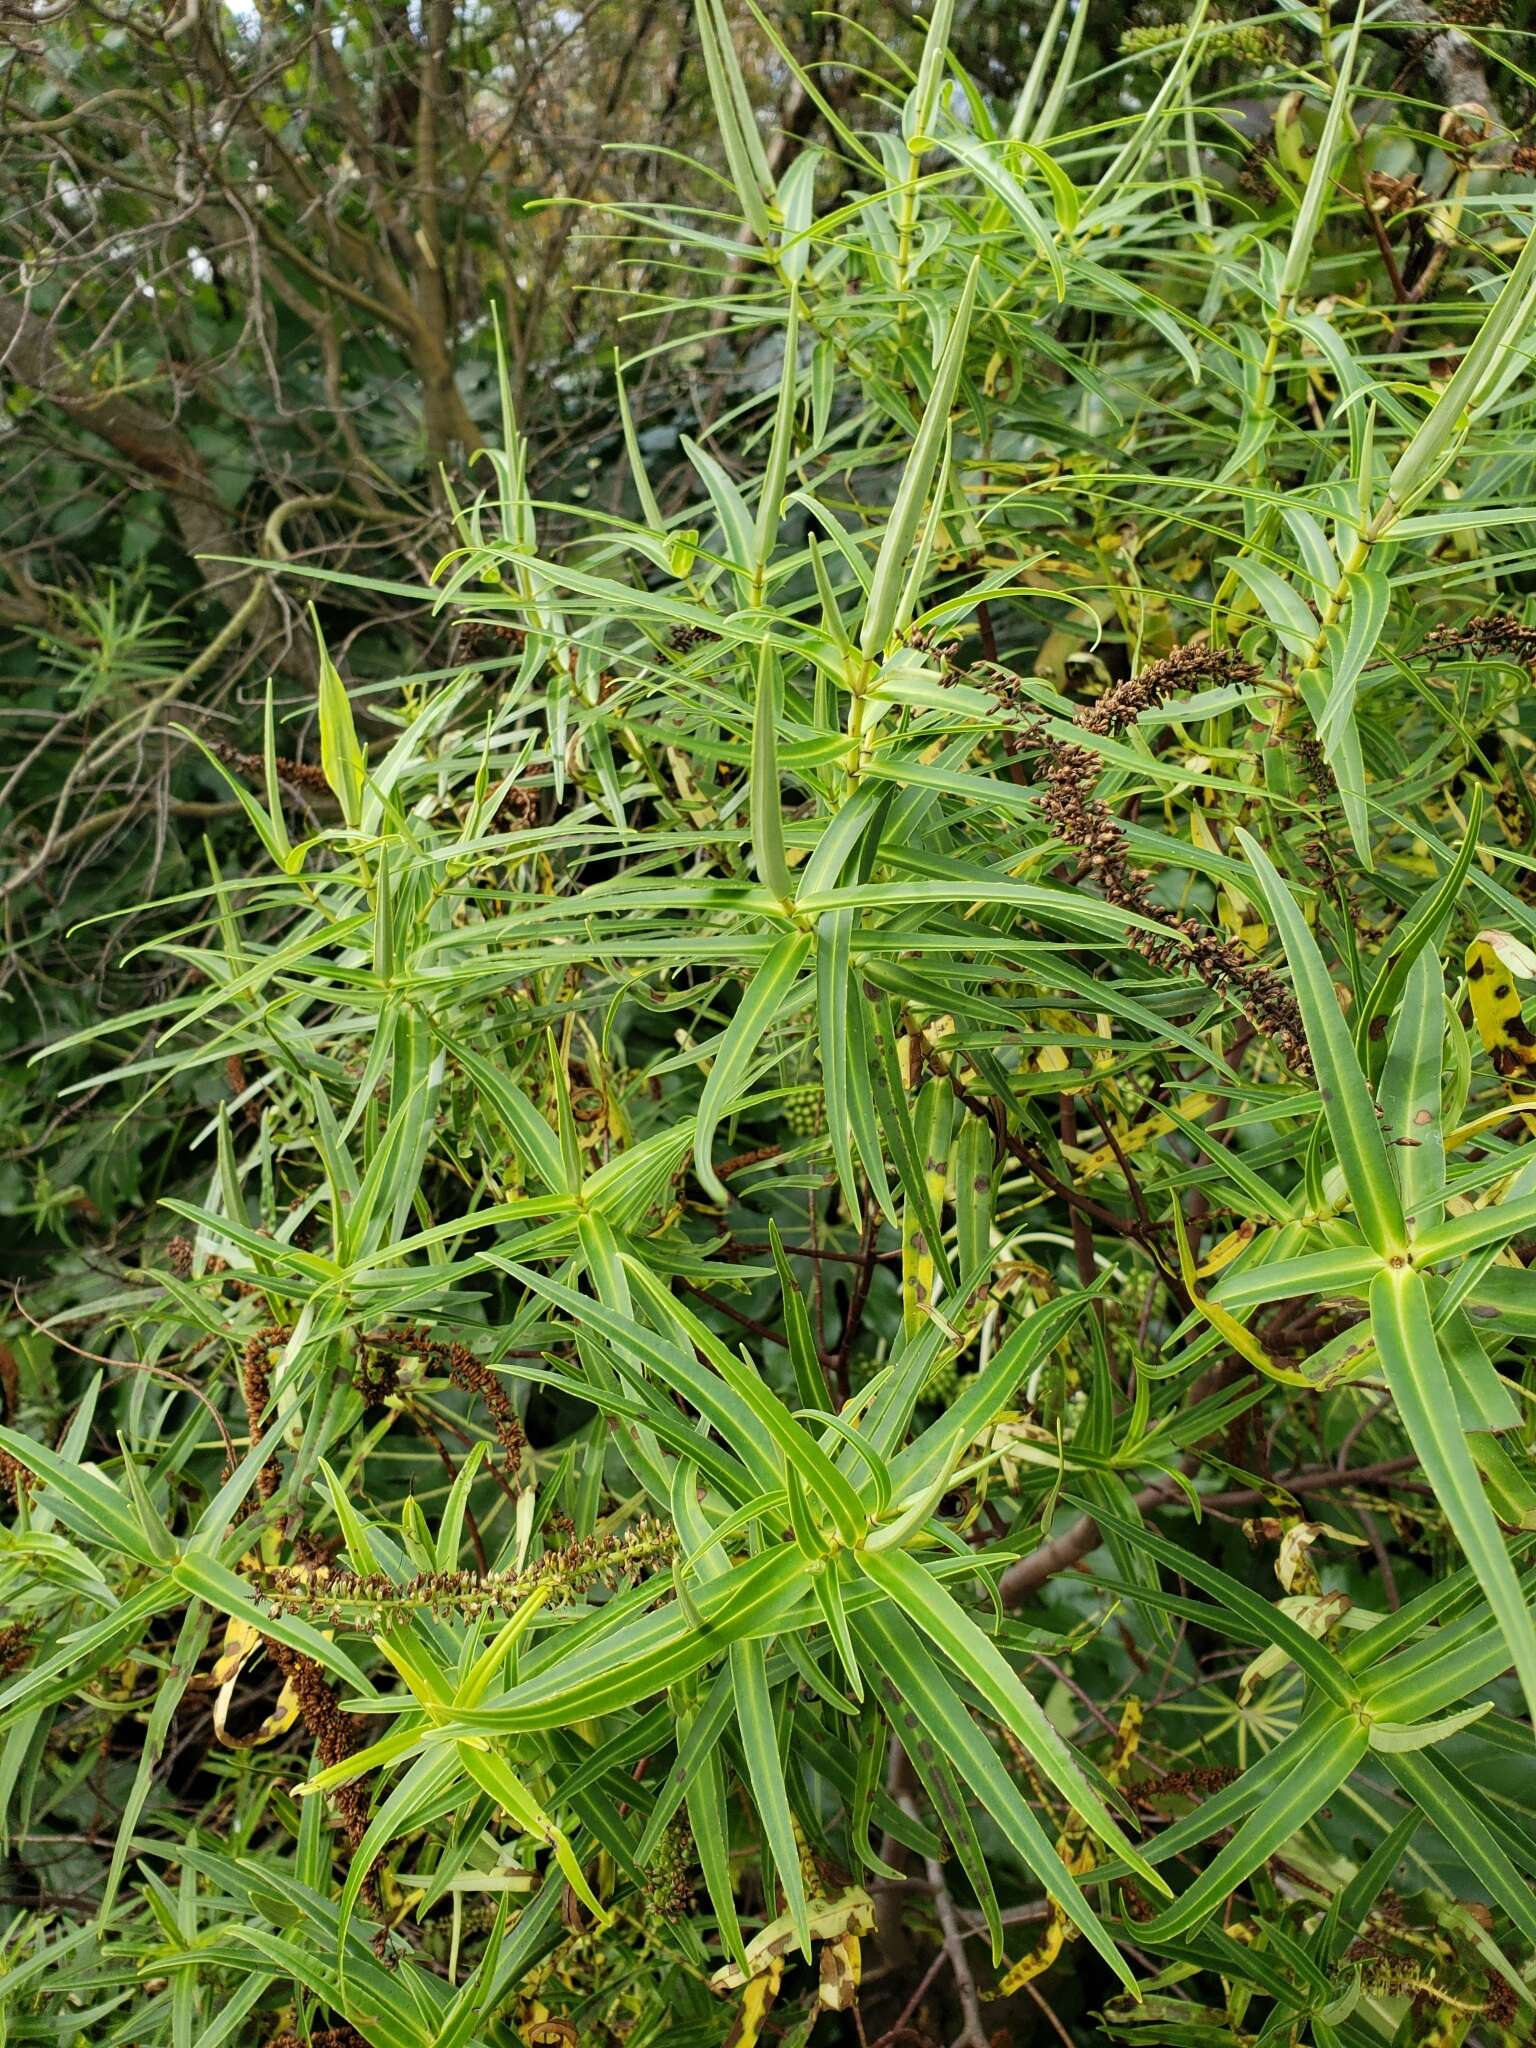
column 761, row 1991
column 1495, row 960
column 1127, row 1741
column 1242, row 1341
column 547, row 2032
column 851, row 1912
column 1040, row 1957
column 240, row 1638
column 1135, row 1136
column 1076, row 1852
column 1227, row 1248
column 241, row 1641
column 1316, row 1614
column 841, row 1966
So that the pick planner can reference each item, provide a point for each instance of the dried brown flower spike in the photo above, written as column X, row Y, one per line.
column 1085, row 822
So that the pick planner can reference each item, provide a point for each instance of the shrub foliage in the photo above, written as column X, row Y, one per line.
column 855, row 1284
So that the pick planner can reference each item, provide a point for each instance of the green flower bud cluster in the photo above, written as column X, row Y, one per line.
column 669, row 1880
column 804, row 1111
column 1246, row 42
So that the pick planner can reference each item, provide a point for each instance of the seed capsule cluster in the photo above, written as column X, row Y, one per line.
column 366, row 1601
column 1493, row 633
column 1085, row 822
column 382, row 1349
column 1245, row 42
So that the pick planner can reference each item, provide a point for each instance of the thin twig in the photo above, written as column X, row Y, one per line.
column 973, row 2034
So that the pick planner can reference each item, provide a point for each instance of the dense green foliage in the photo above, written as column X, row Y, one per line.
column 814, row 1257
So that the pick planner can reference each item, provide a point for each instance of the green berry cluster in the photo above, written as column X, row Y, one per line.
column 804, row 1110
column 1247, row 42
column 669, row 1880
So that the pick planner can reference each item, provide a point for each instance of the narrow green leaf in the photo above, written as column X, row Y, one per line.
column 84, row 1499
column 1421, row 929
column 341, row 752
column 1410, row 1093
column 765, row 799
column 979, row 1661
column 1347, row 1105
column 780, row 448
column 709, row 1819
column 932, row 1712
column 758, row 1006
column 1460, row 1826
column 907, row 511
column 223, row 1590
column 1404, row 1330
column 1315, row 1775
column 760, row 1747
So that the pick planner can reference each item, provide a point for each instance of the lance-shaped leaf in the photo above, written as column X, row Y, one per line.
column 979, row 1660
column 1404, row 1330
column 1313, row 1778
column 760, row 1746
column 922, row 466
column 341, row 752
column 83, row 1499
column 630, row 1661
column 932, row 1714
column 1483, row 368
column 1351, row 1114
column 736, row 120
column 765, row 799
column 1320, row 185
column 1461, row 1827
column 760, row 1003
